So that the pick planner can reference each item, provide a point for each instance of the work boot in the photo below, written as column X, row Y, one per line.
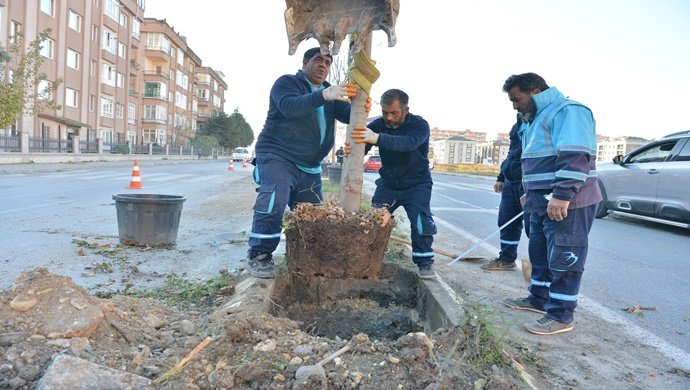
column 546, row 325
column 261, row 266
column 497, row 265
column 426, row 271
column 522, row 304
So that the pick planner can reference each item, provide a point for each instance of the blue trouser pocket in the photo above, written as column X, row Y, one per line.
column 265, row 200
column 425, row 224
column 568, row 253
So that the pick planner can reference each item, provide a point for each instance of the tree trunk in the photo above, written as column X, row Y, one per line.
column 352, row 175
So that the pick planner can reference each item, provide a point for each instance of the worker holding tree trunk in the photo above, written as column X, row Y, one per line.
column 403, row 142
column 297, row 135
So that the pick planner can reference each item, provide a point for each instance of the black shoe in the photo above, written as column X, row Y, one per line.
column 522, row 304
column 497, row 265
column 426, row 272
column 261, row 266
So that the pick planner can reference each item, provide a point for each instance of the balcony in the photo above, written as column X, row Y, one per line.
column 133, row 93
column 158, row 52
column 156, row 73
column 155, row 96
column 154, row 120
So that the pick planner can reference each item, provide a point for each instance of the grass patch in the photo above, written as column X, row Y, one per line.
column 471, row 169
column 485, row 343
column 180, row 291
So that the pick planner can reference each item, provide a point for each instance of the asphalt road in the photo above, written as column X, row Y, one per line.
column 630, row 262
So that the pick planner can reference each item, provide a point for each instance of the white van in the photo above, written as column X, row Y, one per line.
column 240, row 154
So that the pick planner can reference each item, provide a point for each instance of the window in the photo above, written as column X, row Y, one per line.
column 121, row 50
column 123, row 19
column 131, row 111
column 47, row 48
column 216, row 101
column 153, row 136
column 109, row 40
column 180, row 57
column 15, row 28
column 656, row 153
column 92, row 68
column 202, row 94
column 73, row 59
column 44, row 92
column 108, row 74
column 107, row 136
column 180, row 100
column 136, row 28
column 94, row 33
column 182, row 80
column 204, row 78
column 155, row 112
column 155, row 90
column 92, row 103
column 71, row 97
column 120, row 80
column 106, row 107
column 119, row 110
column 157, row 42
column 684, row 154
column 74, row 21
column 96, row 3
column 48, row 7
column 172, row 52
column 112, row 9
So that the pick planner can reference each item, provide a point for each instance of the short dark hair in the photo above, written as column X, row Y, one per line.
column 526, row 82
column 393, row 95
column 312, row 52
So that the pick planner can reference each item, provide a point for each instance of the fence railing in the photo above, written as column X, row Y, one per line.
column 54, row 145
column 49, row 145
column 9, row 143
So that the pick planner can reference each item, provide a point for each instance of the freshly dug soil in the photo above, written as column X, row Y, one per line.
column 324, row 240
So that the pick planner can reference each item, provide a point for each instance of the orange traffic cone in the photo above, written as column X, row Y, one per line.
column 244, row 163
column 231, row 166
column 136, row 177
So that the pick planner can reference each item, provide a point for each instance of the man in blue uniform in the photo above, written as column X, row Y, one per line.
column 561, row 194
column 403, row 142
column 509, row 185
column 297, row 135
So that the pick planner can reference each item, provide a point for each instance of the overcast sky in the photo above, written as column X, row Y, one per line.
column 628, row 60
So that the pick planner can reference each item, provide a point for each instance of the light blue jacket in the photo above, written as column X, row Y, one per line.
column 559, row 149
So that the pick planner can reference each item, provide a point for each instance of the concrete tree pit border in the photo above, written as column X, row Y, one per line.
column 396, row 304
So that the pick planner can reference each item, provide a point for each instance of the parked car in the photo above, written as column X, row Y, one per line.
column 372, row 163
column 239, row 154
column 651, row 182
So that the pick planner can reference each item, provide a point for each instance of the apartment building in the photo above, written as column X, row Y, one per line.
column 608, row 148
column 210, row 93
column 455, row 150
column 125, row 78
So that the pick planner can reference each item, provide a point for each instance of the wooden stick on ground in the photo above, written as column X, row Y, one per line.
column 409, row 243
column 179, row 366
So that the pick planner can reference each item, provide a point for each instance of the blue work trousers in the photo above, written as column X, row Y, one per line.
column 510, row 207
column 415, row 200
column 281, row 184
column 558, row 250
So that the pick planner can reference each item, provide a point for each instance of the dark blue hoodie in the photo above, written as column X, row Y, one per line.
column 292, row 128
column 404, row 152
column 511, row 167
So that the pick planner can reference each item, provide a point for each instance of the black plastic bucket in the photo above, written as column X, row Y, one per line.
column 148, row 219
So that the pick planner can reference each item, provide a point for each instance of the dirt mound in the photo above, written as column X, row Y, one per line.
column 149, row 339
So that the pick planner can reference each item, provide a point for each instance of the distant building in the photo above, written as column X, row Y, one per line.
column 125, row 78
column 438, row 134
column 455, row 150
column 612, row 147
column 492, row 152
